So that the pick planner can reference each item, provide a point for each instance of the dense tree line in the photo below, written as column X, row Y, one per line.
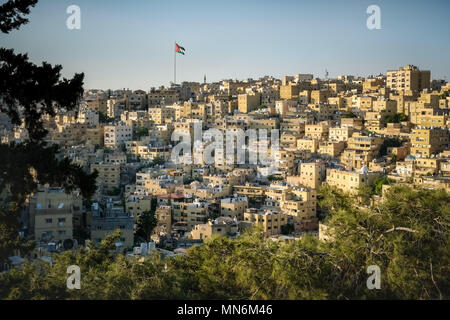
column 406, row 235
column 28, row 94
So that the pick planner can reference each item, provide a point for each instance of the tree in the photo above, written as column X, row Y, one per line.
column 349, row 114
column 331, row 199
column 141, row 132
column 396, row 118
column 365, row 193
column 145, row 224
column 158, row 160
column 378, row 184
column 103, row 118
column 28, row 93
column 388, row 143
column 12, row 14
column 287, row 229
column 406, row 235
column 274, row 178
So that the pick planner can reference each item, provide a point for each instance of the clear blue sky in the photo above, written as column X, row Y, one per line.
column 129, row 43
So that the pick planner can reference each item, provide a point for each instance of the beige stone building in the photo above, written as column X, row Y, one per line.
column 340, row 133
column 222, row 226
column 234, row 207
column 270, row 221
column 350, row 181
column 408, row 78
column 108, row 175
column 311, row 175
column 54, row 213
column 317, row 131
column 247, row 102
column 426, row 142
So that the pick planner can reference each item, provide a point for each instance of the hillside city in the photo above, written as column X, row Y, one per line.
column 362, row 135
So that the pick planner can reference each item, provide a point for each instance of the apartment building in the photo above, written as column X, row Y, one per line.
column 427, row 142
column 54, row 213
column 103, row 224
column 248, row 102
column 318, row 96
column 361, row 150
column 340, row 133
column 331, row 149
column 234, row 207
column 116, row 135
column 108, row 175
column 222, row 226
column 311, row 175
column 162, row 97
column 138, row 204
column 270, row 221
column 350, row 181
column 408, row 78
column 162, row 114
column 317, row 131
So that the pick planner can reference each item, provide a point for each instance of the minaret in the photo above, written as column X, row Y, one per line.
column 204, row 79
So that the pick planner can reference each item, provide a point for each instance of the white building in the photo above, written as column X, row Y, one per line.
column 116, row 135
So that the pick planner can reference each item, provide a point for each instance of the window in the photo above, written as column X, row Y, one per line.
column 48, row 220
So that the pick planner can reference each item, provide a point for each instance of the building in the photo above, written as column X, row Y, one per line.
column 408, row 78
column 108, row 175
column 117, row 135
column 311, row 175
column 222, row 226
column 340, row 133
column 350, row 181
column 248, row 102
column 234, row 207
column 54, row 213
column 105, row 223
column 270, row 221
column 427, row 142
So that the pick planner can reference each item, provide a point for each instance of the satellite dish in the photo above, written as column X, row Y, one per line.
column 68, row 244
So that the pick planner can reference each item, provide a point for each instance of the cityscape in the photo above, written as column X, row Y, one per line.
column 302, row 187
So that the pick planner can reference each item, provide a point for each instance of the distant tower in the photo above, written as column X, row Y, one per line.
column 204, row 79
column 326, row 74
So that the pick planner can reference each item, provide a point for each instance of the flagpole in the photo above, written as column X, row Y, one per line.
column 174, row 64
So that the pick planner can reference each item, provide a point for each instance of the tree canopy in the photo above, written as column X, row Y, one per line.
column 406, row 235
column 28, row 94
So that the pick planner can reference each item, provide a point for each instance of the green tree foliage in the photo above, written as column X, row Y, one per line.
column 378, row 184
column 145, row 224
column 444, row 95
column 331, row 199
column 396, row 118
column 287, row 229
column 116, row 191
column 406, row 235
column 349, row 114
column 387, row 143
column 274, row 178
column 28, row 93
column 12, row 14
column 158, row 160
column 103, row 118
column 141, row 132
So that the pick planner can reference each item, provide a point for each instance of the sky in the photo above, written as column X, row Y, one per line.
column 130, row 43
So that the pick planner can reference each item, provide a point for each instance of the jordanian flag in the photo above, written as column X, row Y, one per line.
column 179, row 49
